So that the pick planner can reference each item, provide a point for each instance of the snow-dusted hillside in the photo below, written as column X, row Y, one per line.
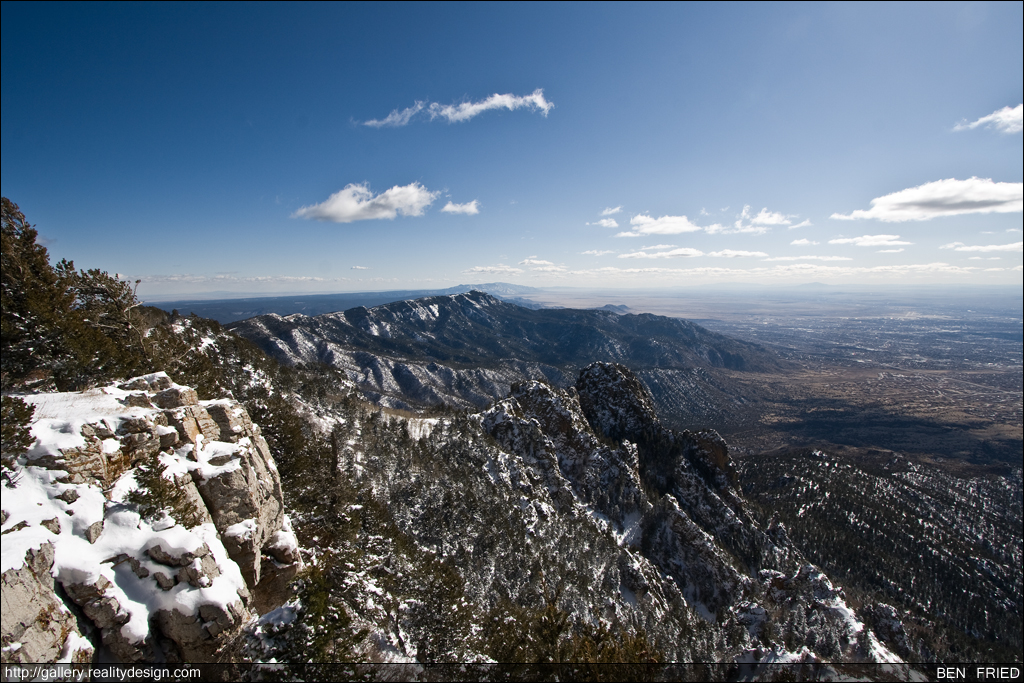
column 571, row 513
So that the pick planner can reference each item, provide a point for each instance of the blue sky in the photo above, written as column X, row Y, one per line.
column 248, row 148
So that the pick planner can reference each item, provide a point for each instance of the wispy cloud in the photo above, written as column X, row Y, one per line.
column 397, row 117
column 732, row 253
column 595, row 252
column 802, row 242
column 870, row 241
column 960, row 246
column 765, row 217
column 890, row 251
column 950, row 197
column 1006, row 120
column 660, row 246
column 360, row 268
column 801, row 224
column 357, row 203
column 612, row 210
column 500, row 269
column 470, row 208
column 684, row 252
column 750, row 223
column 606, row 223
column 533, row 261
column 464, row 111
column 664, row 225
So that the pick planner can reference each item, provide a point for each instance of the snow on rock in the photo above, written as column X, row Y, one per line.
column 36, row 625
column 153, row 589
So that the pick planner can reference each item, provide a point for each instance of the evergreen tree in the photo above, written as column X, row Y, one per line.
column 33, row 304
column 62, row 327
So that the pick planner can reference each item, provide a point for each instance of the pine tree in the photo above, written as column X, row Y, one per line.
column 63, row 327
column 33, row 304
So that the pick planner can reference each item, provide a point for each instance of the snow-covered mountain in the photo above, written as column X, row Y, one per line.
column 468, row 349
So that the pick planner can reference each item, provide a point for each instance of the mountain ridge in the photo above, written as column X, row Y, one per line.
column 468, row 349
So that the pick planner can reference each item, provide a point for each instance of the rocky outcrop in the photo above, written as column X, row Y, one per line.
column 36, row 625
column 175, row 586
column 242, row 491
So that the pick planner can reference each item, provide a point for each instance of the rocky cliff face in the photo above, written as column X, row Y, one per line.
column 580, row 498
column 83, row 569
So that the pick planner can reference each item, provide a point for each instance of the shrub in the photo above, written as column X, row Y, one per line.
column 157, row 495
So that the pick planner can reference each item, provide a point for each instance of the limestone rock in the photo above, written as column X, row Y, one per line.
column 191, row 421
column 109, row 616
column 198, row 636
column 176, row 397
column 232, row 420
column 180, row 559
column 32, row 614
column 246, row 504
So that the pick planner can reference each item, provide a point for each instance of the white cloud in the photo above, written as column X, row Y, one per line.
column 985, row 258
column 809, row 258
column 548, row 269
column 802, row 242
column 470, row 209
column 753, row 224
column 675, row 253
column 360, row 268
column 660, row 246
column 595, row 252
column 1006, row 120
column 890, row 251
column 606, row 223
column 357, row 203
column 871, row 241
column 960, row 246
column 397, row 118
column 801, row 224
column 950, row 197
column 500, row 269
column 611, row 210
column 466, row 110
column 765, row 217
column 665, row 225
column 731, row 253
column 534, row 261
